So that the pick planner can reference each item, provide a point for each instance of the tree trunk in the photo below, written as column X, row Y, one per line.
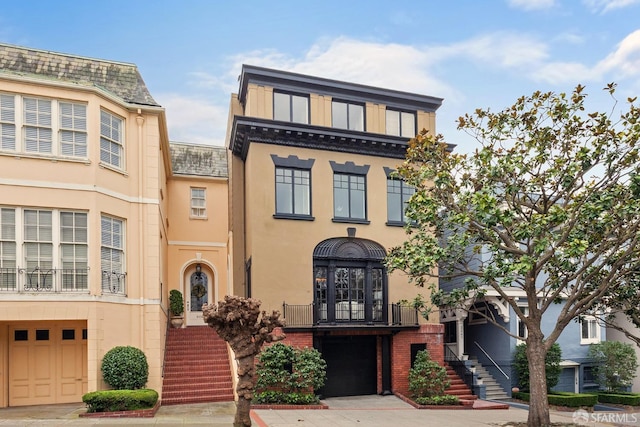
column 538, row 404
column 246, row 369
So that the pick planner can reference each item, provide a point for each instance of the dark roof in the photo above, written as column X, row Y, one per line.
column 198, row 160
column 121, row 79
column 351, row 248
column 285, row 80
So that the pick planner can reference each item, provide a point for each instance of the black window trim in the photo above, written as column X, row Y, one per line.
column 391, row 174
column 350, row 168
column 351, row 102
column 402, row 110
column 291, row 94
column 293, row 162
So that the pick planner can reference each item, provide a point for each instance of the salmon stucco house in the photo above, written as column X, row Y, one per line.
column 101, row 217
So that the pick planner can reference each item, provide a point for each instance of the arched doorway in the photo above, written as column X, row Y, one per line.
column 198, row 291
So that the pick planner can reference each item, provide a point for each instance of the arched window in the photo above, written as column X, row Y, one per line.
column 350, row 281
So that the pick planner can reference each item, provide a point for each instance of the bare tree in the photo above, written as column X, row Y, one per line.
column 240, row 323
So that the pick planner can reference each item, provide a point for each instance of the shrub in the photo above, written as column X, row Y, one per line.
column 125, row 368
column 176, row 302
column 552, row 365
column 289, row 375
column 445, row 399
column 427, row 378
column 120, row 400
column 573, row 400
column 617, row 364
column 631, row 399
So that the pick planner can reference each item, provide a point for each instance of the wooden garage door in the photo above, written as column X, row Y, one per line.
column 351, row 366
column 47, row 363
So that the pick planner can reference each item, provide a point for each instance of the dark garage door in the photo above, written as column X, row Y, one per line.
column 351, row 366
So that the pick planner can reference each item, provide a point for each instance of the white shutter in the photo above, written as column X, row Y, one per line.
column 7, row 224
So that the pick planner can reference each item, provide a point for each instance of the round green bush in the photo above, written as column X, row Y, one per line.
column 125, row 368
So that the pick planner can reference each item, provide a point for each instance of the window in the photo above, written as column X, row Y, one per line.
column 8, row 267
column 292, row 187
column 52, row 246
column 451, row 332
column 112, row 255
column 401, row 123
column 349, row 196
column 398, row 195
column 350, row 282
column 7, row 123
column 477, row 315
column 73, row 129
column 38, row 249
column 293, row 192
column 590, row 330
column 522, row 327
column 36, row 127
column 290, row 108
column 347, row 116
column 111, row 143
column 198, row 203
column 349, row 192
column 73, row 250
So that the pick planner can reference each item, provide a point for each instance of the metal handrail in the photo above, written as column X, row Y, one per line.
column 459, row 367
column 492, row 361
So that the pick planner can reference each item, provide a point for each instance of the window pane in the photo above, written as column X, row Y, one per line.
column 300, row 113
column 393, row 122
column 356, row 117
column 339, row 115
column 357, row 203
column 284, row 198
column 301, row 192
column 408, row 125
column 281, row 106
column 341, row 195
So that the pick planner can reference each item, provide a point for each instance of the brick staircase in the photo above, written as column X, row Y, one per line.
column 458, row 386
column 196, row 367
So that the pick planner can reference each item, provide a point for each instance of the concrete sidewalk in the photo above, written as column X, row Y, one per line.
column 361, row 411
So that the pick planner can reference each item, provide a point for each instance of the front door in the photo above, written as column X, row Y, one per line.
column 198, row 291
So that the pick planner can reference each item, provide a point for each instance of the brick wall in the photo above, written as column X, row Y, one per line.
column 431, row 335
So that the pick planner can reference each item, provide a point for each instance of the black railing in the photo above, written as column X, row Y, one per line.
column 44, row 279
column 354, row 313
column 458, row 366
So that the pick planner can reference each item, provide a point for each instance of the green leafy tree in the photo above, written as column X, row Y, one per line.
column 617, row 364
column 552, row 366
column 552, row 193
column 427, row 378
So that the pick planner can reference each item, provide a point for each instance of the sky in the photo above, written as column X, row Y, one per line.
column 472, row 53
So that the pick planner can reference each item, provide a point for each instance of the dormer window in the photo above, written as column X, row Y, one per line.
column 347, row 116
column 290, row 108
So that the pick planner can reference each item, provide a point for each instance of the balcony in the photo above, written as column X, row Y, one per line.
column 45, row 280
column 345, row 314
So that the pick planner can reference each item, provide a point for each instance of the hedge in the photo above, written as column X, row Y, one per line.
column 631, row 399
column 559, row 398
column 120, row 400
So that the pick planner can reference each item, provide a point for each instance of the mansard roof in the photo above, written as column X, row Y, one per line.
column 198, row 160
column 118, row 78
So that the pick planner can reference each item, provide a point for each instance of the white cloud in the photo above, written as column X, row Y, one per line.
column 531, row 4
column 604, row 6
column 191, row 119
column 625, row 60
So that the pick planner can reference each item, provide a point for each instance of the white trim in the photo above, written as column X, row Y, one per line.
column 590, row 340
column 193, row 243
column 77, row 187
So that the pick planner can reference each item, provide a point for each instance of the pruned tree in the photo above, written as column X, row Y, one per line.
column 240, row 323
column 552, row 194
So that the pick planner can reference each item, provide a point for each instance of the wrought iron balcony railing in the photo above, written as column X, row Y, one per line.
column 42, row 279
column 352, row 313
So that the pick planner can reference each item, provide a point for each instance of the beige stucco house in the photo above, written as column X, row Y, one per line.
column 101, row 216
